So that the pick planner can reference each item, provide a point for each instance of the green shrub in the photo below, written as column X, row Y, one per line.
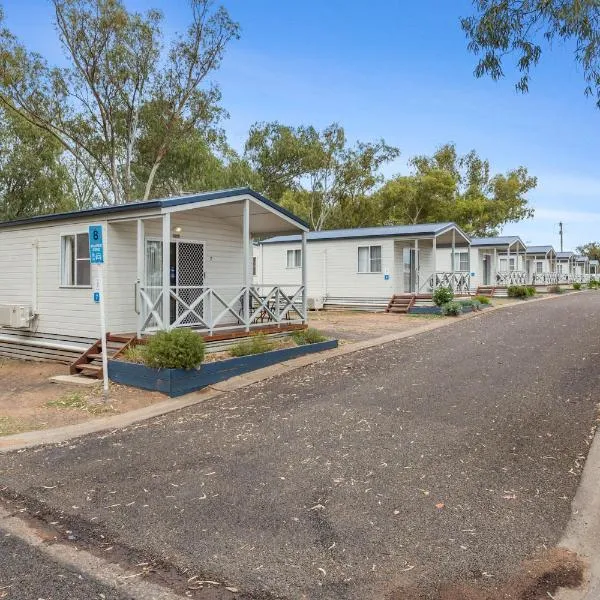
column 135, row 354
column 452, row 309
column 482, row 299
column 308, row 336
column 577, row 285
column 518, row 291
column 531, row 290
column 471, row 303
column 443, row 295
column 255, row 344
column 592, row 284
column 176, row 349
column 555, row 289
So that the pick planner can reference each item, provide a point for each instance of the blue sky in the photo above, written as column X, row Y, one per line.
column 397, row 70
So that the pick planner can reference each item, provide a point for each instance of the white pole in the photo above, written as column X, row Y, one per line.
column 103, row 330
column 417, row 266
column 434, row 249
column 246, row 255
column 140, row 273
column 304, row 260
column 34, row 283
column 166, row 270
column 453, row 256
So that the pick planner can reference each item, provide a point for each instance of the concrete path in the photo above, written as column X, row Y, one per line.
column 397, row 471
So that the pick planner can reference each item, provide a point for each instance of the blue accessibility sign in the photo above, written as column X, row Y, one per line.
column 96, row 297
column 96, row 245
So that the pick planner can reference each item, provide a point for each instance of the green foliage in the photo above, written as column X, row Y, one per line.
column 577, row 285
column 317, row 174
column 135, row 354
column 33, row 181
column 520, row 291
column 515, row 28
column 308, row 336
column 442, row 295
column 591, row 250
column 449, row 187
column 452, row 309
column 175, row 349
column 555, row 289
column 593, row 284
column 482, row 299
column 255, row 344
column 471, row 303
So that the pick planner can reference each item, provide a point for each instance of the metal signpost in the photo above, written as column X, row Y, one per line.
column 97, row 259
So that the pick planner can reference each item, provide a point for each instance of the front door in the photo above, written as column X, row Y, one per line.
column 410, row 259
column 186, row 277
column 487, row 269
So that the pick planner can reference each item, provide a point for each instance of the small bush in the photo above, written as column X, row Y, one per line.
column 518, row 291
column 308, row 336
column 452, row 309
column 443, row 295
column 256, row 344
column 577, row 285
column 176, row 349
column 555, row 289
column 531, row 290
column 471, row 303
column 482, row 299
column 592, row 284
column 135, row 354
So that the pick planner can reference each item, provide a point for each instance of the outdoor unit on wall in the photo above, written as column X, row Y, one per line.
column 17, row 316
column 315, row 303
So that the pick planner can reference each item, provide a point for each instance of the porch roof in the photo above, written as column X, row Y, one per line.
column 541, row 250
column 564, row 255
column 423, row 230
column 190, row 200
column 503, row 241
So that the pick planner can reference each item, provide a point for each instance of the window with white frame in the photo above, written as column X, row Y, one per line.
column 559, row 268
column 254, row 266
column 512, row 264
column 539, row 266
column 369, row 259
column 294, row 259
column 75, row 260
column 461, row 261
column 503, row 264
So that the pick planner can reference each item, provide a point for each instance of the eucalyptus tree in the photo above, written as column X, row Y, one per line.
column 316, row 174
column 522, row 30
column 116, row 66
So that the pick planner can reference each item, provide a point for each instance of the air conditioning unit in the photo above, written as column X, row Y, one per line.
column 316, row 303
column 17, row 316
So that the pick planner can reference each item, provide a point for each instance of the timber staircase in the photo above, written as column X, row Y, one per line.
column 486, row 290
column 90, row 362
column 400, row 303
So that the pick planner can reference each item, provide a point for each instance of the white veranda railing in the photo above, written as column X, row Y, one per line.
column 511, row 278
column 546, row 278
column 459, row 281
column 222, row 307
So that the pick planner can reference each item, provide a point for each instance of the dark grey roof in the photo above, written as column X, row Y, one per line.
column 581, row 258
column 158, row 203
column 568, row 254
column 423, row 229
column 503, row 240
column 539, row 249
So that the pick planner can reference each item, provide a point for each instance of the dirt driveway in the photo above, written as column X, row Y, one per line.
column 356, row 325
column 29, row 400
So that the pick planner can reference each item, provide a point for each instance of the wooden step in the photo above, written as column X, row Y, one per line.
column 89, row 367
column 90, row 362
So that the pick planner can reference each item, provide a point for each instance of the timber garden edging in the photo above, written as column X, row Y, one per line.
column 176, row 382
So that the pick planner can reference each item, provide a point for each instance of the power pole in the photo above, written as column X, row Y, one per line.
column 560, row 231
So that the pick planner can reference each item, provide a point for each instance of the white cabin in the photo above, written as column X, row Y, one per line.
column 541, row 266
column 366, row 267
column 174, row 262
column 498, row 262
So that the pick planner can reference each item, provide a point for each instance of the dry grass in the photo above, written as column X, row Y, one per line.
column 77, row 401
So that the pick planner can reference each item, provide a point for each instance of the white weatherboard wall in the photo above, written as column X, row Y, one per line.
column 62, row 310
column 332, row 268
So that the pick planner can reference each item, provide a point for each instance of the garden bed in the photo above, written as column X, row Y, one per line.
column 437, row 310
column 176, row 382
